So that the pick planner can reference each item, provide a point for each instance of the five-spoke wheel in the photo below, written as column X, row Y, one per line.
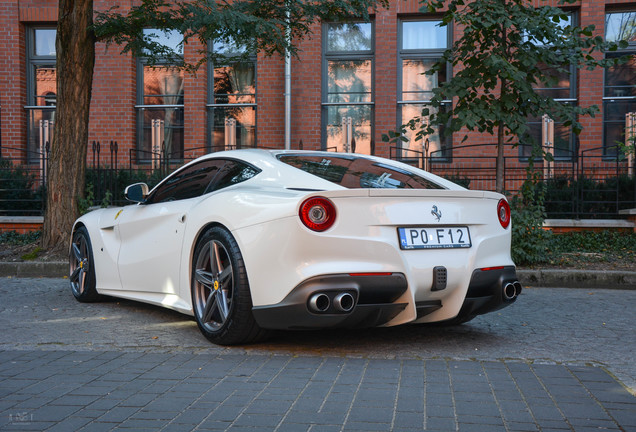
column 81, row 267
column 220, row 291
column 214, row 284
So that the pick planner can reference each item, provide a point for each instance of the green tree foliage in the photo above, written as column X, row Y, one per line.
column 264, row 26
column 507, row 49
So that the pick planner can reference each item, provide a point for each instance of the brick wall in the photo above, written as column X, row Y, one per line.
column 113, row 106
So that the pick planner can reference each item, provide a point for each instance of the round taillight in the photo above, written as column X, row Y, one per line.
column 317, row 213
column 503, row 213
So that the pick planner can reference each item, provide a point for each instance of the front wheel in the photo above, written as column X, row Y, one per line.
column 82, row 267
column 221, row 297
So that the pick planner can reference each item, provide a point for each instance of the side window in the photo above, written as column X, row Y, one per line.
column 233, row 172
column 187, row 183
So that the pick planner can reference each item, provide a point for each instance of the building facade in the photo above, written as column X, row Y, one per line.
column 351, row 83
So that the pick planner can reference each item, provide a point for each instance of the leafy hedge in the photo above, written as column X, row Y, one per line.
column 19, row 194
column 107, row 186
column 596, row 199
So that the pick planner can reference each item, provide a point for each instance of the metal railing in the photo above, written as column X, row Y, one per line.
column 22, row 186
column 588, row 184
column 585, row 184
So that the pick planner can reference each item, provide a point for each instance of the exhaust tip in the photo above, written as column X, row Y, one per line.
column 319, row 302
column 344, row 302
column 509, row 291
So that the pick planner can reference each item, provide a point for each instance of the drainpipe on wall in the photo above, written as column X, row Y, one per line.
column 288, row 89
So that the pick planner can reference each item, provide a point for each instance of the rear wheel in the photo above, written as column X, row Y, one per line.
column 221, row 297
column 82, row 267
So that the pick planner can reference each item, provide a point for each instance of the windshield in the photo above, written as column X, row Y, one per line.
column 355, row 172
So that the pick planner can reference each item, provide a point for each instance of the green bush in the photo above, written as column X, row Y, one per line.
column 595, row 199
column 107, row 186
column 529, row 238
column 593, row 242
column 18, row 192
column 15, row 239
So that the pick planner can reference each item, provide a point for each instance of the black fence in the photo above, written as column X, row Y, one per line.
column 584, row 184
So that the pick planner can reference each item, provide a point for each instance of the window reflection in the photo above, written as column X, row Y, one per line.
column 620, row 26
column 360, row 117
column 416, row 86
column 349, row 81
column 422, row 45
column 232, row 103
column 349, row 37
column 41, row 90
column 163, row 85
column 620, row 80
column 235, row 83
column 160, row 102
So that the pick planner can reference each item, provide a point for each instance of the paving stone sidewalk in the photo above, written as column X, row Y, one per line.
column 101, row 391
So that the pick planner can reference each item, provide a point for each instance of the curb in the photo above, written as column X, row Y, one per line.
column 34, row 269
column 555, row 278
column 535, row 278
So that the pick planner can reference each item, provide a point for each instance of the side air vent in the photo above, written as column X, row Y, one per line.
column 440, row 276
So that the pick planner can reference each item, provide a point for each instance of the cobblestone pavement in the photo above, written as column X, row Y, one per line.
column 559, row 359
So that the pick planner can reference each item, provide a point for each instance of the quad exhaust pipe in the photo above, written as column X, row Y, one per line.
column 342, row 302
column 319, row 302
column 511, row 290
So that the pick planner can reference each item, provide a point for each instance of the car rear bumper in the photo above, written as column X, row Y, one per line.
column 317, row 302
column 489, row 290
column 374, row 299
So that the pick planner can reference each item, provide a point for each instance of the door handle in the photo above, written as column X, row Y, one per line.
column 182, row 218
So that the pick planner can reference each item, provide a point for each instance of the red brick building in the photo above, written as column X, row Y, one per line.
column 351, row 84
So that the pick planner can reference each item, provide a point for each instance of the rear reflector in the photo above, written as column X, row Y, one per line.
column 491, row 268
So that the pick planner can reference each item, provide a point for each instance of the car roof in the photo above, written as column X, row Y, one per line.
column 267, row 160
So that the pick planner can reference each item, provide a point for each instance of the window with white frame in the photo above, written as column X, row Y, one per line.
column 160, row 98
column 421, row 44
column 347, row 95
column 231, row 106
column 619, row 96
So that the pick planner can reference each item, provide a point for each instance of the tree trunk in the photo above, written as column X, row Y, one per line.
column 75, row 45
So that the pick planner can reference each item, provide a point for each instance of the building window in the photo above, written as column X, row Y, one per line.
column 41, row 89
column 160, row 103
column 231, row 103
column 620, row 81
column 562, row 90
column 421, row 44
column 347, row 101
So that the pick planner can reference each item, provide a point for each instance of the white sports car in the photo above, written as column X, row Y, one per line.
column 251, row 240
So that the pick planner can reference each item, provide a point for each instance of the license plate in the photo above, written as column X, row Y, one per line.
column 434, row 237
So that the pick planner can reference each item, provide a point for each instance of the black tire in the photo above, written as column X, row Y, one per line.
column 221, row 299
column 82, row 267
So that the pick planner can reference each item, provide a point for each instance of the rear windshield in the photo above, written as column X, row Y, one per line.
column 355, row 172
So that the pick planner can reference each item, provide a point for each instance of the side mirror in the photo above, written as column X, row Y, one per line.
column 136, row 192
